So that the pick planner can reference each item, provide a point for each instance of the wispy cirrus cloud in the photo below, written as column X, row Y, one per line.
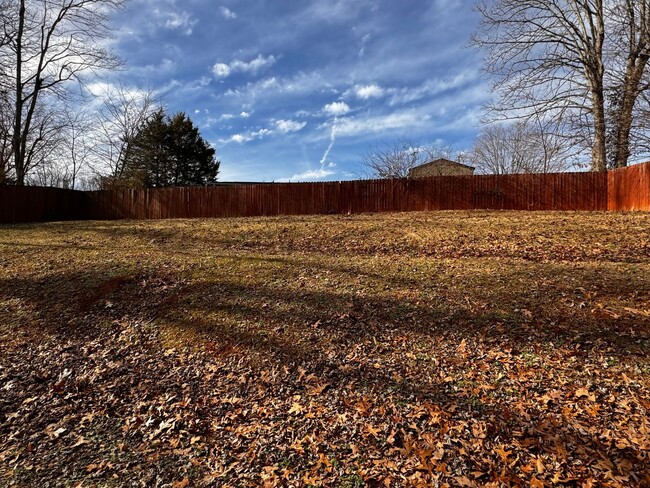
column 309, row 175
column 396, row 121
column 433, row 87
column 280, row 126
column 299, row 84
column 223, row 70
column 182, row 21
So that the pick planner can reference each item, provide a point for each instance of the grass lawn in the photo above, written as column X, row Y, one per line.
column 415, row 349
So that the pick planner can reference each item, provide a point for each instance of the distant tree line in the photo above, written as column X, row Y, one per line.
column 50, row 54
column 581, row 66
column 570, row 83
column 518, row 147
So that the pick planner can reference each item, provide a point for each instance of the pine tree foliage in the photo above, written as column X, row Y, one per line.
column 169, row 151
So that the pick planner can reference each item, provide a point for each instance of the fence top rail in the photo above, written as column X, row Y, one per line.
column 630, row 166
column 338, row 182
column 235, row 184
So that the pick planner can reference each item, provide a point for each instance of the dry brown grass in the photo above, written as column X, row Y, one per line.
column 450, row 347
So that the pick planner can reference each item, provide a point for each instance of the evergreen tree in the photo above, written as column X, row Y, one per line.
column 169, row 151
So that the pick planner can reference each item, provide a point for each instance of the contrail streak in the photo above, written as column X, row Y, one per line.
column 332, row 141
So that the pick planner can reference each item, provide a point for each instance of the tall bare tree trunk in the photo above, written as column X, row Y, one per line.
column 599, row 149
column 594, row 69
column 19, row 155
column 638, row 40
column 623, row 129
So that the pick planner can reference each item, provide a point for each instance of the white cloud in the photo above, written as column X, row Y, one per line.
column 368, row 91
column 242, row 138
column 260, row 133
column 180, row 21
column 286, row 126
column 254, row 65
column 279, row 127
column 300, row 84
column 244, row 115
column 223, row 70
column 104, row 90
column 353, row 126
column 432, row 88
column 318, row 12
column 309, row 175
column 165, row 67
column 226, row 13
column 336, row 108
column 364, row 41
column 239, row 138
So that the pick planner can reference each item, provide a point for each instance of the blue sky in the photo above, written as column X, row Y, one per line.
column 299, row 90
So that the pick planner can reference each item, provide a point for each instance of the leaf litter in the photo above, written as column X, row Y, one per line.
column 417, row 349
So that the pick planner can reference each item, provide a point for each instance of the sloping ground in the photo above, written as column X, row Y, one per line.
column 423, row 349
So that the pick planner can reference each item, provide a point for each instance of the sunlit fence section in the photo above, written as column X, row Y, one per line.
column 629, row 188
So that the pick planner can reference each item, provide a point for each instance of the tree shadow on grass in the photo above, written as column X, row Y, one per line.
column 344, row 314
column 320, row 332
column 348, row 316
column 340, row 334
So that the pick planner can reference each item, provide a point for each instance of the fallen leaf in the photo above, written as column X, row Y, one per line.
column 185, row 482
column 296, row 408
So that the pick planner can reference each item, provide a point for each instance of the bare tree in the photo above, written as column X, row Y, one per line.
column 396, row 159
column 519, row 147
column 558, row 59
column 641, row 134
column 6, row 117
column 78, row 147
column 51, row 43
column 6, row 105
column 122, row 115
column 629, row 53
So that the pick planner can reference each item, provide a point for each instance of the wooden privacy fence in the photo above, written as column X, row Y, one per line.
column 624, row 189
column 629, row 188
column 562, row 191
column 38, row 204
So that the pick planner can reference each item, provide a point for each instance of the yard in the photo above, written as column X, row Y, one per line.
column 413, row 349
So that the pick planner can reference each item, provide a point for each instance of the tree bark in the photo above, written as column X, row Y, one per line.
column 19, row 156
column 599, row 149
column 638, row 20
